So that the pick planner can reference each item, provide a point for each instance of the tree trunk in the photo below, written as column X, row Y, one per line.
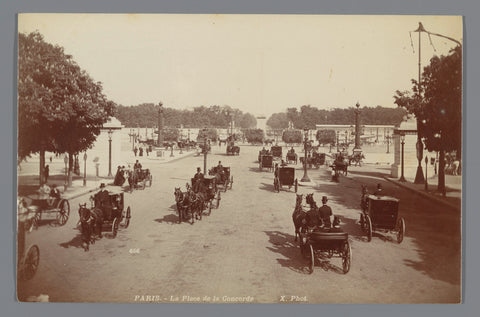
column 70, row 168
column 441, row 172
column 42, row 167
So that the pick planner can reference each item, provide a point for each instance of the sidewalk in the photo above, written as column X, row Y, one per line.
column 452, row 198
column 27, row 179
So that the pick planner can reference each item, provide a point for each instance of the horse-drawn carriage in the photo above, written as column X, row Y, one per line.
column 28, row 258
column 109, row 213
column 286, row 176
column 326, row 243
column 223, row 177
column 340, row 164
column 266, row 161
column 276, row 152
column 314, row 159
column 200, row 196
column 380, row 213
column 356, row 158
column 233, row 149
column 139, row 178
column 45, row 207
column 291, row 157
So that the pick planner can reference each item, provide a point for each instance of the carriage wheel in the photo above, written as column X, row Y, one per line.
column 128, row 215
column 296, row 185
column 231, row 182
column 368, row 228
column 312, row 260
column 347, row 257
column 35, row 221
column 30, row 262
column 63, row 213
column 115, row 224
column 401, row 230
column 225, row 186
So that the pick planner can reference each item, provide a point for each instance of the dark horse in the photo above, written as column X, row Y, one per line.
column 298, row 216
column 183, row 203
column 87, row 226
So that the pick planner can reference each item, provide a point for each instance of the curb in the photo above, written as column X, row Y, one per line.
column 173, row 160
column 425, row 195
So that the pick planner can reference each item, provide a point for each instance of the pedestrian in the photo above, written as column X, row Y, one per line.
column 46, row 173
column 140, row 153
column 135, row 150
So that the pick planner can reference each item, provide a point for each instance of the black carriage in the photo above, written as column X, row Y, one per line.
column 28, row 255
column 291, row 157
column 44, row 207
column 381, row 214
column 114, row 218
column 233, row 149
column 144, row 178
column 285, row 177
column 224, row 178
column 210, row 195
column 276, row 152
column 266, row 161
column 326, row 243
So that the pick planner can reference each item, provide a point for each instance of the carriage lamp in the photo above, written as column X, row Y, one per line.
column 402, row 139
column 85, row 169
column 110, row 132
column 305, row 177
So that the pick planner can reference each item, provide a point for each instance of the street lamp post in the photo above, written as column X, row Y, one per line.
column 357, row 127
column 205, row 150
column 305, row 177
column 402, row 139
column 65, row 160
column 110, row 132
column 85, row 169
column 160, row 124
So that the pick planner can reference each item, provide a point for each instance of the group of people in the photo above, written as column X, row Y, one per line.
column 124, row 172
column 140, row 150
column 321, row 218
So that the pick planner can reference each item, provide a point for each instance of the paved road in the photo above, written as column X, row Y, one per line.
column 245, row 250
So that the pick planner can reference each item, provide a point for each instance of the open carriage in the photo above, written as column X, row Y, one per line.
column 233, row 149
column 224, row 178
column 326, row 243
column 266, row 161
column 43, row 207
column 140, row 178
column 291, row 157
column 381, row 214
column 285, row 177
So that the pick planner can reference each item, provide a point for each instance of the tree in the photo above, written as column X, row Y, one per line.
column 60, row 108
column 439, row 108
column 210, row 133
column 292, row 136
column 326, row 136
column 278, row 121
column 254, row 135
column 171, row 134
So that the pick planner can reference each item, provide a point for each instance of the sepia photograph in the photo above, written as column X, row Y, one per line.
column 239, row 158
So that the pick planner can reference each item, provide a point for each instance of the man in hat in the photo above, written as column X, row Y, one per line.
column 102, row 200
column 325, row 213
column 197, row 178
column 379, row 191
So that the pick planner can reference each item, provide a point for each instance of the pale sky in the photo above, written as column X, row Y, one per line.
column 258, row 63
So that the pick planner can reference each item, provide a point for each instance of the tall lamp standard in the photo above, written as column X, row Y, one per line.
column 110, row 132
column 402, row 139
column 65, row 160
column 205, row 150
column 305, row 177
column 357, row 127
column 160, row 124
column 85, row 169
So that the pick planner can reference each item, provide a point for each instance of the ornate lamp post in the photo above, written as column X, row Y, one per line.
column 402, row 139
column 357, row 127
column 65, row 160
column 85, row 169
column 110, row 132
column 205, row 150
column 305, row 177
column 160, row 124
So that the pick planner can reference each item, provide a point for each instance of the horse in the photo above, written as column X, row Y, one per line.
column 357, row 158
column 341, row 165
column 298, row 216
column 197, row 204
column 87, row 226
column 182, row 202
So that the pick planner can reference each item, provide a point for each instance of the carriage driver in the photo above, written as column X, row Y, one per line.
column 325, row 213
column 102, row 200
column 197, row 179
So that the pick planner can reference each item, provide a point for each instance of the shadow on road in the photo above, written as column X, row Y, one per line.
column 285, row 245
column 267, row 187
column 76, row 242
column 169, row 219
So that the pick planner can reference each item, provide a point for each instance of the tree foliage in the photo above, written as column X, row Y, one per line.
column 254, row 135
column 326, row 136
column 278, row 121
column 146, row 115
column 292, row 136
column 60, row 107
column 210, row 133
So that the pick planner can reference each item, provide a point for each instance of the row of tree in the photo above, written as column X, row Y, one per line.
column 61, row 109
column 146, row 115
column 308, row 117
